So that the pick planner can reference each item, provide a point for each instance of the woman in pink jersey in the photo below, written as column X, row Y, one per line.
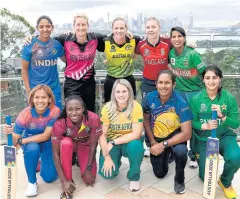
column 76, row 130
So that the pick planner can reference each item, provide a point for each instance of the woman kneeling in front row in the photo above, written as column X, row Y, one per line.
column 122, row 120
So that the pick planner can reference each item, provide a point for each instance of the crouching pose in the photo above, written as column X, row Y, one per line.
column 122, row 120
column 76, row 130
column 213, row 97
column 32, row 131
column 167, row 122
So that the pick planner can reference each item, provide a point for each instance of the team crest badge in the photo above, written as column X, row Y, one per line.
column 153, row 106
column 54, row 51
column 162, row 51
column 68, row 132
column 40, row 52
column 32, row 126
column 128, row 47
column 203, row 108
column 113, row 48
column 186, row 62
column 224, row 107
column 173, row 61
column 146, row 52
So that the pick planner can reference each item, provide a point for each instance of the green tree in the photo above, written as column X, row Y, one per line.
column 13, row 29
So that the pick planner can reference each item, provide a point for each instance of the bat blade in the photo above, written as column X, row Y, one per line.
column 211, row 165
column 10, row 167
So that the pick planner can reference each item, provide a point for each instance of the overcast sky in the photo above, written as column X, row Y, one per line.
column 205, row 12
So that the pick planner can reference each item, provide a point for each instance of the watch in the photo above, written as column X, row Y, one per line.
column 20, row 141
column 112, row 142
column 89, row 167
column 165, row 144
column 223, row 115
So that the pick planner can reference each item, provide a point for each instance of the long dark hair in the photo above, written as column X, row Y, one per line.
column 217, row 71
column 73, row 97
column 170, row 73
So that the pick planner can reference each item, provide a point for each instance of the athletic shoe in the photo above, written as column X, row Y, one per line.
column 134, row 186
column 31, row 190
column 147, row 152
column 179, row 188
column 229, row 192
column 193, row 164
column 63, row 196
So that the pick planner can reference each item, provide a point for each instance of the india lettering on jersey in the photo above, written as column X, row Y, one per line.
column 42, row 58
column 80, row 64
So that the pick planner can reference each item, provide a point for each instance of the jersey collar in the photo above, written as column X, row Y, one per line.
column 113, row 42
column 171, row 98
column 36, row 115
column 155, row 44
column 74, row 39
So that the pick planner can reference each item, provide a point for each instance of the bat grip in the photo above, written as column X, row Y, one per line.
column 214, row 131
column 8, row 121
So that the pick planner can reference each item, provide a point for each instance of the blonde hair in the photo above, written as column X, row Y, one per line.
column 80, row 15
column 47, row 89
column 119, row 19
column 113, row 106
column 153, row 19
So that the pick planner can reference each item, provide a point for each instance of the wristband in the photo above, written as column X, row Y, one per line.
column 223, row 115
column 20, row 141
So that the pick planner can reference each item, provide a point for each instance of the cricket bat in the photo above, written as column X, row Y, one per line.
column 211, row 165
column 10, row 166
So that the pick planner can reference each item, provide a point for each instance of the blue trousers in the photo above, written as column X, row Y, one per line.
column 160, row 162
column 58, row 96
column 32, row 152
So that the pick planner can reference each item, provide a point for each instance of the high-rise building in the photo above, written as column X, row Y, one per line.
column 190, row 26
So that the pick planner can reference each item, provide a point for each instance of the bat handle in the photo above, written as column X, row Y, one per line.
column 214, row 131
column 8, row 121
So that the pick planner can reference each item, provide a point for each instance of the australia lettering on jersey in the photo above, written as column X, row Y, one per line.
column 81, row 57
column 121, row 56
column 156, row 61
column 120, row 127
column 48, row 62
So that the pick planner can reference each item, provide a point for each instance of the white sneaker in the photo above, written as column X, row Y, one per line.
column 134, row 186
column 147, row 152
column 193, row 164
column 31, row 190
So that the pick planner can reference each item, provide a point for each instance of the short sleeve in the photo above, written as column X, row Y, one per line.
column 145, row 104
column 137, row 115
column 96, row 127
column 184, row 111
column 61, row 50
column 54, row 114
column 58, row 130
column 104, row 116
column 198, row 63
column 21, row 122
column 26, row 53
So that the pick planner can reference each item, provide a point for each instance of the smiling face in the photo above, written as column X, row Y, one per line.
column 177, row 39
column 45, row 29
column 119, row 29
column 211, row 81
column 152, row 29
column 74, row 110
column 41, row 100
column 121, row 94
column 81, row 26
column 165, row 85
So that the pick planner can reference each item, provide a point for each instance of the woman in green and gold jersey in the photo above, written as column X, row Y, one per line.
column 213, row 97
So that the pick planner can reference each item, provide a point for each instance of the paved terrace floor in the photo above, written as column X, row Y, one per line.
column 151, row 187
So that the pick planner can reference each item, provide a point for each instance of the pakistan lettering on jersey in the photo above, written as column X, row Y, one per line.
column 119, row 123
column 42, row 58
column 201, row 107
column 187, row 67
column 119, row 59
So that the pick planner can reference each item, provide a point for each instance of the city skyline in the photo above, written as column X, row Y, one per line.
column 205, row 13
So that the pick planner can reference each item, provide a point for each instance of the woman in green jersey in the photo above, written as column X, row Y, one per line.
column 186, row 63
column 213, row 97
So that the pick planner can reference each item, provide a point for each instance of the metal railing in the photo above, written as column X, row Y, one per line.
column 13, row 98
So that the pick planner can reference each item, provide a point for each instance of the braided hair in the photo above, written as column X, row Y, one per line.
column 73, row 97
